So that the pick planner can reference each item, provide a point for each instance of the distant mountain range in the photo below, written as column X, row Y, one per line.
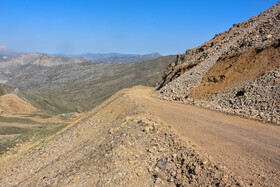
column 86, row 80
column 96, row 57
column 85, row 83
column 117, row 57
column 28, row 64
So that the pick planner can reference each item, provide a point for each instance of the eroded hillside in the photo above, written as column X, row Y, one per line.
column 236, row 72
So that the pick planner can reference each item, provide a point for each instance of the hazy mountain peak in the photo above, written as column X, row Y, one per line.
column 118, row 57
column 4, row 51
column 2, row 47
column 33, row 55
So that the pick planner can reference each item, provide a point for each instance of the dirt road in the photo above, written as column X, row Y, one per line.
column 247, row 148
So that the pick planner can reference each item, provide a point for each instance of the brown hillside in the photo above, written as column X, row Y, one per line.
column 237, row 68
column 12, row 104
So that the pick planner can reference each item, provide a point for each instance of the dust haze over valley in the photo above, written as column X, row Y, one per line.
column 206, row 117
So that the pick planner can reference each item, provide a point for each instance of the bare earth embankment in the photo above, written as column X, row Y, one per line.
column 134, row 139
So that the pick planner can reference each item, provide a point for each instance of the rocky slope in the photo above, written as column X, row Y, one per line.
column 118, row 143
column 246, row 52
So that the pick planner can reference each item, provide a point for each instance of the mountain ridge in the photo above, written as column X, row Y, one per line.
column 116, row 57
column 120, row 130
column 28, row 64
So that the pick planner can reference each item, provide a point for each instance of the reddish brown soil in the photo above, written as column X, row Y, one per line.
column 237, row 68
column 2, row 124
column 12, row 104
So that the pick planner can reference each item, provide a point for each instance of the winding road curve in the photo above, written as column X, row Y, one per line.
column 247, row 148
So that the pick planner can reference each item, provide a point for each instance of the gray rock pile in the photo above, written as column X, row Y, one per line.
column 259, row 99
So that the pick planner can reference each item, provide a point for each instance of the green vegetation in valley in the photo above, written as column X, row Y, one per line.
column 4, row 89
column 17, row 120
column 46, row 103
column 42, row 116
column 49, row 105
column 20, row 135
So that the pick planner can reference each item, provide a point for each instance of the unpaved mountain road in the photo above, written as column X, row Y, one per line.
column 247, row 148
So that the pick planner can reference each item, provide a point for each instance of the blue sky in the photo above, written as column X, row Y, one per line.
column 124, row 26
